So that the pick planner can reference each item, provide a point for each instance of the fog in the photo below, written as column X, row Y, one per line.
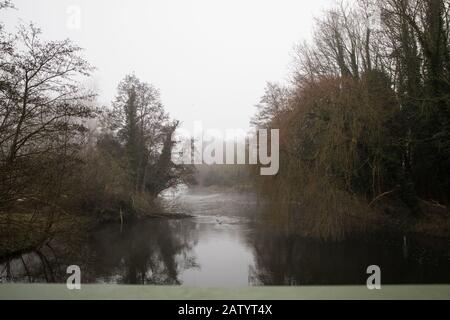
column 210, row 59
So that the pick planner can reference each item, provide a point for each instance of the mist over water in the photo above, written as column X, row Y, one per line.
column 224, row 245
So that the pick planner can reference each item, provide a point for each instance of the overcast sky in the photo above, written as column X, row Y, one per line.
column 210, row 58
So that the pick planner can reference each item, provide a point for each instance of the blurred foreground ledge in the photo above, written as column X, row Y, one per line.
column 150, row 292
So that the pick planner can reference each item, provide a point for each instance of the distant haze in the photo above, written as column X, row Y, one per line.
column 210, row 59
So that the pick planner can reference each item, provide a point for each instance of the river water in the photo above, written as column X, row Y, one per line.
column 225, row 244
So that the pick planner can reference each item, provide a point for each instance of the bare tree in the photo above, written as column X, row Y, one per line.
column 274, row 101
column 42, row 105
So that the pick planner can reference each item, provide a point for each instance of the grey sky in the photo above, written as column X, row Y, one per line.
column 210, row 59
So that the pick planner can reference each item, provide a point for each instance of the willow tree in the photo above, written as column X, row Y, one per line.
column 367, row 117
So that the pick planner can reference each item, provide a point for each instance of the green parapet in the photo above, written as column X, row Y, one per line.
column 150, row 292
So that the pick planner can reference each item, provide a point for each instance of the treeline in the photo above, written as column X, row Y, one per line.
column 127, row 161
column 233, row 176
column 366, row 121
column 60, row 154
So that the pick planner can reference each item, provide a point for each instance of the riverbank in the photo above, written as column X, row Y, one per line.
column 336, row 216
column 227, row 243
column 356, row 218
column 21, row 233
column 433, row 222
column 24, row 232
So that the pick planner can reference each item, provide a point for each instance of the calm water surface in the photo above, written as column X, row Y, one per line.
column 225, row 244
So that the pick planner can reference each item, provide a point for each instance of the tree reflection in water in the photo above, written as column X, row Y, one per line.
column 287, row 259
column 153, row 251
column 214, row 249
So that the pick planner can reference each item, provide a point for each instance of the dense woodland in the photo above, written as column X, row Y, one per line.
column 367, row 118
column 365, row 130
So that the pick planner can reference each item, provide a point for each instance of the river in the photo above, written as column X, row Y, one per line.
column 226, row 244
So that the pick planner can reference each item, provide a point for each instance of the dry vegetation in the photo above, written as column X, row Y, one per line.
column 365, row 125
column 62, row 158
